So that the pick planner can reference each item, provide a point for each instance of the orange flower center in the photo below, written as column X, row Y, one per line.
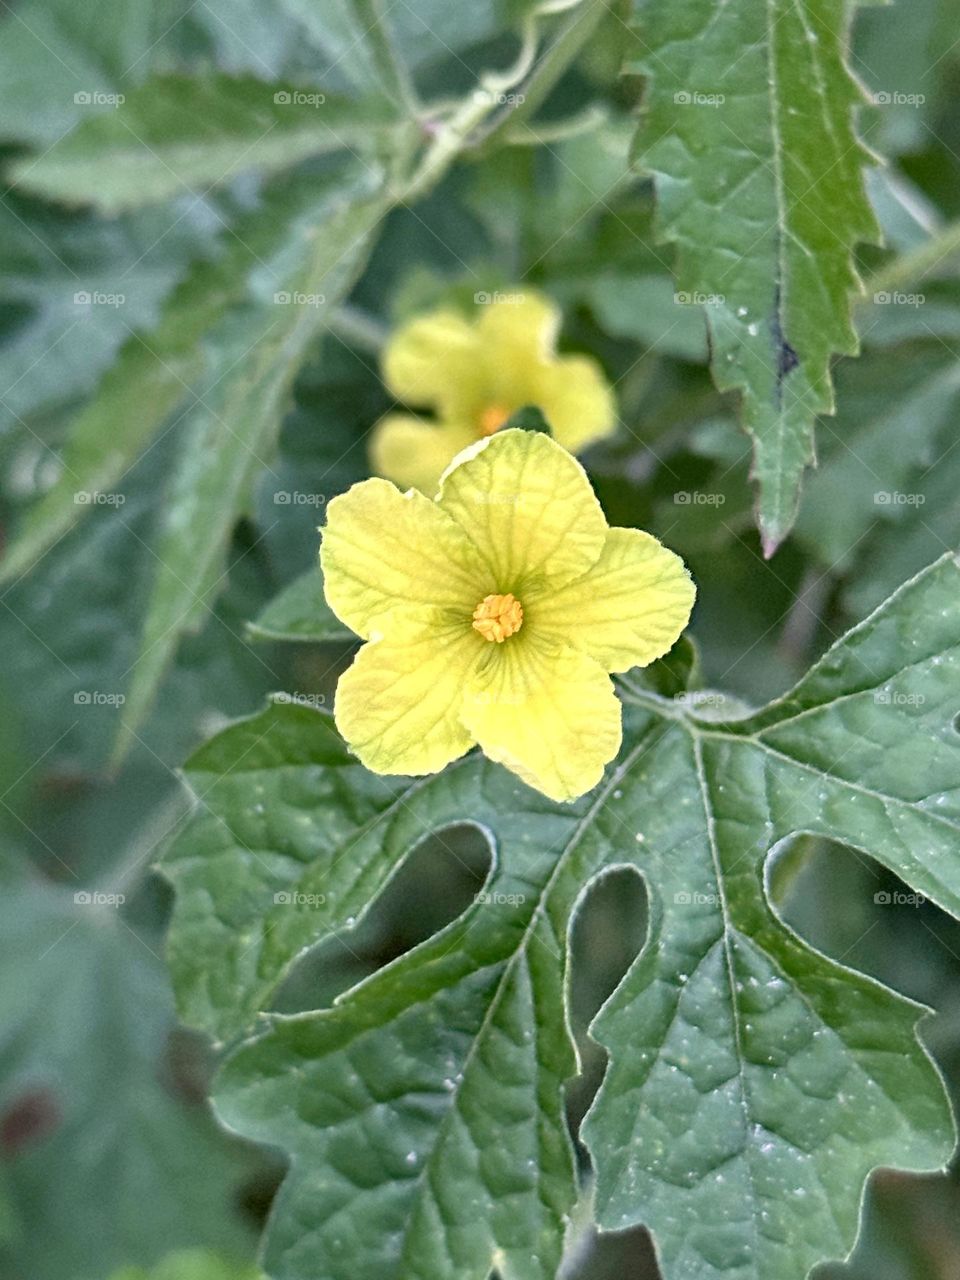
column 497, row 617
column 492, row 419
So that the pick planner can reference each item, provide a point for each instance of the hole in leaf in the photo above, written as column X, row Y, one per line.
column 609, row 931
column 434, row 886
column 843, row 903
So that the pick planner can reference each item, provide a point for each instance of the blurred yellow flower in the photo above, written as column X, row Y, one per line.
column 493, row 614
column 474, row 376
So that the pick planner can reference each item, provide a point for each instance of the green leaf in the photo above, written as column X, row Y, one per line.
column 71, row 628
column 86, row 1013
column 191, row 1264
column 255, row 36
column 100, row 48
column 182, row 135
column 645, row 308
column 226, row 967
column 752, row 1082
column 233, row 430
column 910, row 533
column 892, row 413
column 156, row 372
column 373, row 44
column 529, row 418
column 82, row 285
column 300, row 612
column 749, row 137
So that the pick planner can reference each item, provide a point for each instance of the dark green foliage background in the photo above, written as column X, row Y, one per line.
column 109, row 1155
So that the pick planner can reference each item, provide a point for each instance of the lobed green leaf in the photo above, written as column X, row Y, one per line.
column 753, row 1084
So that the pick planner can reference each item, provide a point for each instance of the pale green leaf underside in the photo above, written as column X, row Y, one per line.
column 182, row 135
column 748, row 133
column 752, row 1085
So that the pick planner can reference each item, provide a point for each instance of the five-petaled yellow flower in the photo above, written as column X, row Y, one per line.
column 493, row 614
column 474, row 377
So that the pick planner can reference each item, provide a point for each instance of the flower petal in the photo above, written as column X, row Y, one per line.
column 576, row 400
column 527, row 506
column 519, row 332
column 412, row 452
column 626, row 611
column 548, row 713
column 436, row 361
column 384, row 551
column 398, row 704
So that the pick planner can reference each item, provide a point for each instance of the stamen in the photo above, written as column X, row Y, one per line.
column 492, row 419
column 497, row 617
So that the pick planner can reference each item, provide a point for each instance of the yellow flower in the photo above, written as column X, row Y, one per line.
column 493, row 614
column 474, row 377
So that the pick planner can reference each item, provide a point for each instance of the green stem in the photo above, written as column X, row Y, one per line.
column 574, row 34
column 359, row 329
column 918, row 263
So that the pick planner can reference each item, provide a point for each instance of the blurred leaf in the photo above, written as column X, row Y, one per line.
column 69, row 633
column 891, row 417
column 233, row 432
column 366, row 41
column 51, row 51
column 234, row 429
column 926, row 525
column 255, row 36
column 542, row 207
column 300, row 612
column 175, row 134
column 81, row 286
column 156, row 373
column 646, row 308
column 749, row 136
column 528, row 418
column 897, row 56
column 747, row 1072
column 911, row 1231
column 191, row 1264
column 338, row 396
column 86, row 1012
